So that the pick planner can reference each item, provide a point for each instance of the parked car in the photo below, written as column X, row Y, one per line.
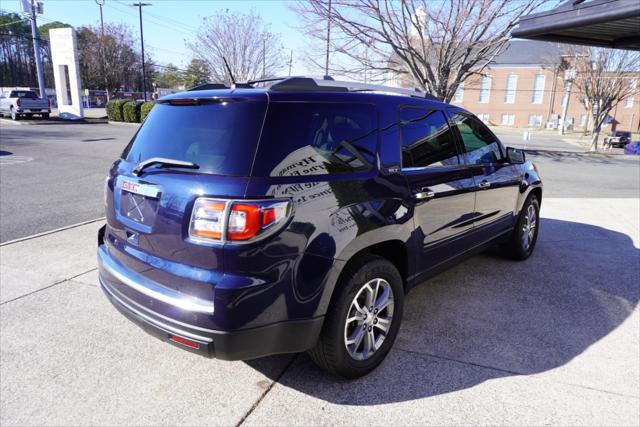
column 17, row 103
column 632, row 148
column 618, row 138
column 245, row 222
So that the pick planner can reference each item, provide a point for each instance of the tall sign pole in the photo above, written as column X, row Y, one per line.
column 36, row 44
column 144, row 74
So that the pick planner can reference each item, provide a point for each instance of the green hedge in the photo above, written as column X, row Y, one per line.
column 146, row 109
column 131, row 111
column 114, row 109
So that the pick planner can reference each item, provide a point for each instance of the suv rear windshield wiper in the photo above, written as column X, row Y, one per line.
column 162, row 162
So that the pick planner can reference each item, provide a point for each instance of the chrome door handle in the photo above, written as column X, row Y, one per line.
column 424, row 195
column 484, row 184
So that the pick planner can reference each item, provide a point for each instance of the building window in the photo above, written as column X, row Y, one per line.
column 538, row 89
column 510, row 90
column 485, row 88
column 457, row 97
column 508, row 119
column 628, row 103
column 583, row 120
column 484, row 117
column 535, row 120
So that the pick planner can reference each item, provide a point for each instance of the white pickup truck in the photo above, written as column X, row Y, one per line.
column 19, row 102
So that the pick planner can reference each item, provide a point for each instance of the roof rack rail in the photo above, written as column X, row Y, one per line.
column 312, row 84
column 208, row 86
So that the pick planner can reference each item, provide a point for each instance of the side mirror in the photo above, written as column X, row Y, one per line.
column 515, row 156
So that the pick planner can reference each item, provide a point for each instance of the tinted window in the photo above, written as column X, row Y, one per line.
column 427, row 139
column 23, row 94
column 221, row 138
column 316, row 139
column 479, row 143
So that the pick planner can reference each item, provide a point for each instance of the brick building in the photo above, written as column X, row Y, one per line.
column 524, row 87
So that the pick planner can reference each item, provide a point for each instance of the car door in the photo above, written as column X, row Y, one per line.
column 496, row 179
column 441, row 187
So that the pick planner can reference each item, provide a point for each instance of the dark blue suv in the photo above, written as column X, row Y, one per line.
column 294, row 215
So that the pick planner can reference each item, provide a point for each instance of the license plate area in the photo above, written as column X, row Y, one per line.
column 138, row 208
column 137, row 204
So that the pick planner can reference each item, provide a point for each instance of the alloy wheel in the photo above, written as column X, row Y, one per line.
column 369, row 319
column 529, row 227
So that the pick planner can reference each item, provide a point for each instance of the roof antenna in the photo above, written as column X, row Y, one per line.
column 226, row 64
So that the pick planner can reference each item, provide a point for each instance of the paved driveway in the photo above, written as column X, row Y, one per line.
column 554, row 340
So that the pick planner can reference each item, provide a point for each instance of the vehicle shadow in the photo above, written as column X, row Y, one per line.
column 5, row 153
column 490, row 317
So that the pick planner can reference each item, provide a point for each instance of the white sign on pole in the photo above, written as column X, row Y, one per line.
column 66, row 72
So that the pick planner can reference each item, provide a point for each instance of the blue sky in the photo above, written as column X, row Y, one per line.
column 168, row 23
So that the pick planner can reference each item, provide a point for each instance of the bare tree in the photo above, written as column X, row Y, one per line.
column 251, row 49
column 435, row 44
column 603, row 78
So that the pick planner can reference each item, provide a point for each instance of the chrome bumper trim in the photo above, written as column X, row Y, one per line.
column 151, row 321
column 152, row 289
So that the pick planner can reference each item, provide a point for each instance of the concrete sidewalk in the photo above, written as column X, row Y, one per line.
column 554, row 340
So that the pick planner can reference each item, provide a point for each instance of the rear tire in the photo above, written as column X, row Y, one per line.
column 45, row 116
column 523, row 239
column 355, row 338
column 14, row 116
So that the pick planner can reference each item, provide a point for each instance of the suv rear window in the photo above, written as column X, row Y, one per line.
column 301, row 139
column 220, row 137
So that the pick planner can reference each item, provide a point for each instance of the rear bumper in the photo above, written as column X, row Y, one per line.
column 242, row 344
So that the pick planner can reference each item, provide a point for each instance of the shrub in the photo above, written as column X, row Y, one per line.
column 131, row 111
column 114, row 109
column 146, row 109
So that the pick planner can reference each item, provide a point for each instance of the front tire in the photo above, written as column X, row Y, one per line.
column 522, row 241
column 363, row 319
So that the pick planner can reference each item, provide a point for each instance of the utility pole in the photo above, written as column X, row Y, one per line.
column 101, row 3
column 326, row 63
column 291, row 62
column 569, row 75
column 36, row 44
column 264, row 55
column 144, row 74
column 102, row 62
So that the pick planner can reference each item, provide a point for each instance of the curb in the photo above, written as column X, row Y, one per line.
column 123, row 123
column 56, row 230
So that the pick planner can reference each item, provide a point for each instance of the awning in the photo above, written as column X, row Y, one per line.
column 606, row 23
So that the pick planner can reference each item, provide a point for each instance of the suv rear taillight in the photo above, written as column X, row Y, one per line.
column 214, row 220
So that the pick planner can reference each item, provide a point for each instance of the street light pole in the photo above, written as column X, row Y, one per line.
column 36, row 49
column 144, row 75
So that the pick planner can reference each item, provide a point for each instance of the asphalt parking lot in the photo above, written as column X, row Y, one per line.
column 553, row 340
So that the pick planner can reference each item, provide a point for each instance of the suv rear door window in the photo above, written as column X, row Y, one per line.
column 220, row 137
column 317, row 139
column 479, row 143
column 427, row 139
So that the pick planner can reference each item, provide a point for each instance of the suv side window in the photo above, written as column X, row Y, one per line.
column 305, row 138
column 479, row 143
column 427, row 139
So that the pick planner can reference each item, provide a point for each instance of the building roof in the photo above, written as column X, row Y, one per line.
column 528, row 52
column 607, row 23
